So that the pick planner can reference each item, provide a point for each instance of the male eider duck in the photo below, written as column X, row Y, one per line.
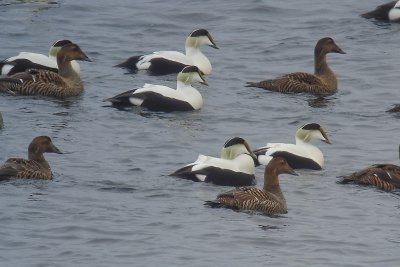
column 269, row 200
column 36, row 166
column 27, row 60
column 322, row 82
column 163, row 98
column 389, row 12
column 383, row 176
column 167, row 62
column 236, row 166
column 63, row 84
column 303, row 154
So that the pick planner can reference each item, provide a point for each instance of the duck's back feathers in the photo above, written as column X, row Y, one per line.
column 383, row 176
column 39, row 83
column 299, row 82
column 381, row 12
column 23, row 168
column 249, row 198
column 22, row 65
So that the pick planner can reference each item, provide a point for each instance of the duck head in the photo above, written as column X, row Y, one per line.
column 311, row 131
column 191, row 74
column 327, row 45
column 199, row 38
column 71, row 51
column 56, row 47
column 278, row 166
column 237, row 146
column 40, row 145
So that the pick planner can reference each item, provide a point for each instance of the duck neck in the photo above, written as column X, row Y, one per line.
column 39, row 158
column 199, row 59
column 271, row 185
column 182, row 86
column 322, row 70
column 72, row 78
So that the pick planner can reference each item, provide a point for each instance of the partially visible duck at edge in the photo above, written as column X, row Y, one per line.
column 235, row 167
column 1, row 121
column 167, row 62
column 268, row 200
column 63, row 84
column 303, row 154
column 322, row 82
column 394, row 109
column 383, row 176
column 36, row 166
column 389, row 12
column 28, row 60
column 163, row 98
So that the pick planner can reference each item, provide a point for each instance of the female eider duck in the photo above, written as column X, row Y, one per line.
column 383, row 176
column 303, row 154
column 27, row 60
column 63, row 84
column 36, row 166
column 322, row 82
column 269, row 200
column 167, row 62
column 163, row 98
column 236, row 166
column 389, row 12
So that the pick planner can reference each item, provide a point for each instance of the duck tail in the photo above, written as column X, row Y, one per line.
column 130, row 63
column 213, row 204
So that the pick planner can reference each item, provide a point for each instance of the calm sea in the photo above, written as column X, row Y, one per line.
column 111, row 202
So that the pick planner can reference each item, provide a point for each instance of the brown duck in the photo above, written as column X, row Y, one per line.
column 268, row 200
column 36, row 166
column 40, row 82
column 322, row 82
column 383, row 176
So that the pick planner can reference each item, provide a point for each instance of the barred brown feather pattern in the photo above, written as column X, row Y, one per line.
column 299, row 82
column 44, row 83
column 251, row 198
column 22, row 168
column 383, row 176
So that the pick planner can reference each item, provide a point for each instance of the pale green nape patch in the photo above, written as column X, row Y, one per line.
column 193, row 42
column 304, row 135
column 230, row 152
column 53, row 51
column 186, row 78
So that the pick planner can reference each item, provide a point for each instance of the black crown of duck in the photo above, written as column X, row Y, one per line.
column 269, row 200
column 36, row 166
column 64, row 84
column 322, row 82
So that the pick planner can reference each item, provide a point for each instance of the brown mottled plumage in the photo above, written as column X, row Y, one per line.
column 40, row 82
column 322, row 82
column 394, row 109
column 268, row 200
column 36, row 166
column 383, row 176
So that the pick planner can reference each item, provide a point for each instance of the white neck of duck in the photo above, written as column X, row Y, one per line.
column 313, row 152
column 245, row 163
column 189, row 94
column 199, row 59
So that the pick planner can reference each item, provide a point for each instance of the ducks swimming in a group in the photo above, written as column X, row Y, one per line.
column 268, row 200
column 28, row 60
column 236, row 167
column 389, row 12
column 167, row 62
column 63, row 84
column 303, row 154
column 163, row 98
column 383, row 176
column 36, row 166
column 322, row 82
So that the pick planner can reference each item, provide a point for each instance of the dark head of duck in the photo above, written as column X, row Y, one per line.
column 327, row 45
column 203, row 33
column 40, row 145
column 70, row 52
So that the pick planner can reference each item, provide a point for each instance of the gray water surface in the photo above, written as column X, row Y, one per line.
column 111, row 202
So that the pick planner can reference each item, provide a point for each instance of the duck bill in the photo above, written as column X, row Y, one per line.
column 292, row 172
column 85, row 58
column 325, row 136
column 213, row 44
column 55, row 149
column 339, row 50
column 204, row 81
